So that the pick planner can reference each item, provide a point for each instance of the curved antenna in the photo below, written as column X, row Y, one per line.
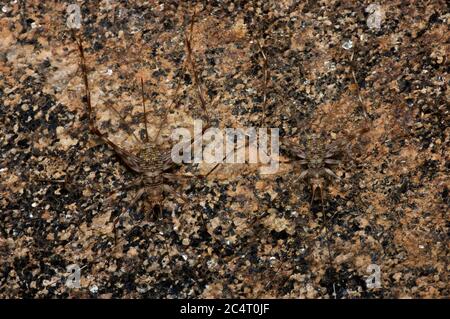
column 145, row 111
column 358, row 88
column 85, row 77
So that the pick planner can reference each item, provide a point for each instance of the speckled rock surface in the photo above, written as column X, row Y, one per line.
column 61, row 188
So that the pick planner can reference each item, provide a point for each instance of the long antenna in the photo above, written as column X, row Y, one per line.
column 198, row 83
column 266, row 79
column 145, row 111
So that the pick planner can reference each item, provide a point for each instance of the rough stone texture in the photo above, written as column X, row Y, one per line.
column 61, row 189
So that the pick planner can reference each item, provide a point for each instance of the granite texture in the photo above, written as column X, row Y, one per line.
column 242, row 234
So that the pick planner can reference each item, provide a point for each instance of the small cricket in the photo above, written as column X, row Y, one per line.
column 315, row 153
column 152, row 163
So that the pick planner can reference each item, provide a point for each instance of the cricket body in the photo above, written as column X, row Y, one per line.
column 317, row 159
column 153, row 164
